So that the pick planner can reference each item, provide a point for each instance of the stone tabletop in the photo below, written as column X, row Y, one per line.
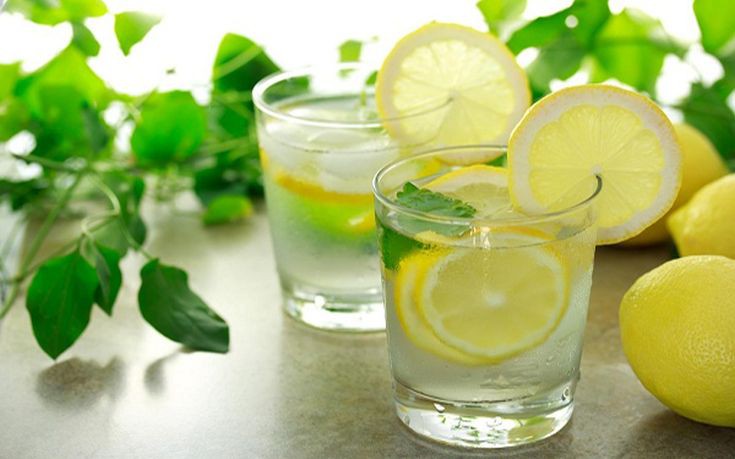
column 285, row 390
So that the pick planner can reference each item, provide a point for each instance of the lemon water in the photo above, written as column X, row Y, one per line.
column 320, row 208
column 447, row 389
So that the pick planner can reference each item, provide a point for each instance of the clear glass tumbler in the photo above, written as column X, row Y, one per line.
column 485, row 315
column 321, row 142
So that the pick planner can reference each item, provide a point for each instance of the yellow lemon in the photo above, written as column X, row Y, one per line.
column 706, row 224
column 677, row 325
column 701, row 164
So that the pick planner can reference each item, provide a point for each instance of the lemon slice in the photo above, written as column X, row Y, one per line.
column 493, row 304
column 451, row 85
column 414, row 325
column 339, row 214
column 483, row 187
column 567, row 138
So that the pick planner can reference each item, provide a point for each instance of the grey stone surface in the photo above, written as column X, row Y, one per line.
column 285, row 390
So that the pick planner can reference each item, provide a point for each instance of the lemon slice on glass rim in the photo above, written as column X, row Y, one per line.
column 465, row 84
column 574, row 134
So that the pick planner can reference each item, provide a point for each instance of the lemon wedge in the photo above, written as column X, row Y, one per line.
column 567, row 138
column 452, row 85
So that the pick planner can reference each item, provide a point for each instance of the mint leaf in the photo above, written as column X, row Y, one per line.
column 131, row 27
column 227, row 208
column 350, row 50
column 60, row 300
column 84, row 40
column 240, row 64
column 106, row 263
column 168, row 304
column 434, row 203
column 495, row 12
column 716, row 20
column 171, row 127
column 394, row 246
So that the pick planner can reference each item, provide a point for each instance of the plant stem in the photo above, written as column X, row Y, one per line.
column 38, row 240
column 115, row 202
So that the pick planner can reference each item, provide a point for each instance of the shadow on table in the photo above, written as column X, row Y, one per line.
column 78, row 384
column 669, row 435
column 154, row 378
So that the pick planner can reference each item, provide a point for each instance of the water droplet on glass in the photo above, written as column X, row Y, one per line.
column 566, row 394
column 439, row 408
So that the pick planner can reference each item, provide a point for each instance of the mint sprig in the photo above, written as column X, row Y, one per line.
column 395, row 245
column 434, row 203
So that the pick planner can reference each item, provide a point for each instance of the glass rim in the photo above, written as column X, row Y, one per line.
column 260, row 89
column 465, row 221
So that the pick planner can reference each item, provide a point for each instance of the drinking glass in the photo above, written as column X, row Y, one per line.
column 321, row 142
column 485, row 316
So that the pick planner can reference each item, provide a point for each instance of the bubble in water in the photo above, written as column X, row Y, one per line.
column 439, row 408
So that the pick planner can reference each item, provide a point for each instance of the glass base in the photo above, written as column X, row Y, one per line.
column 494, row 425
column 362, row 312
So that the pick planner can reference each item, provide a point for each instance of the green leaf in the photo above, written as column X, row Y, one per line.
column 69, row 126
column 60, row 300
column 9, row 74
column 131, row 27
column 716, row 20
column 52, row 12
column 626, row 48
column 350, row 51
column 129, row 191
column 240, row 64
column 495, row 12
column 14, row 117
column 591, row 15
column 434, row 203
column 84, row 40
column 226, row 209
column 394, row 246
column 21, row 192
column 68, row 68
column 171, row 127
column 106, row 262
column 560, row 60
column 707, row 110
column 168, row 304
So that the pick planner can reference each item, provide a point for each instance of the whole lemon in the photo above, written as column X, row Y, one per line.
column 706, row 224
column 700, row 165
column 677, row 325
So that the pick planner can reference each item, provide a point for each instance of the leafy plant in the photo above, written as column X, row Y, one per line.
column 179, row 142
column 176, row 142
column 629, row 47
